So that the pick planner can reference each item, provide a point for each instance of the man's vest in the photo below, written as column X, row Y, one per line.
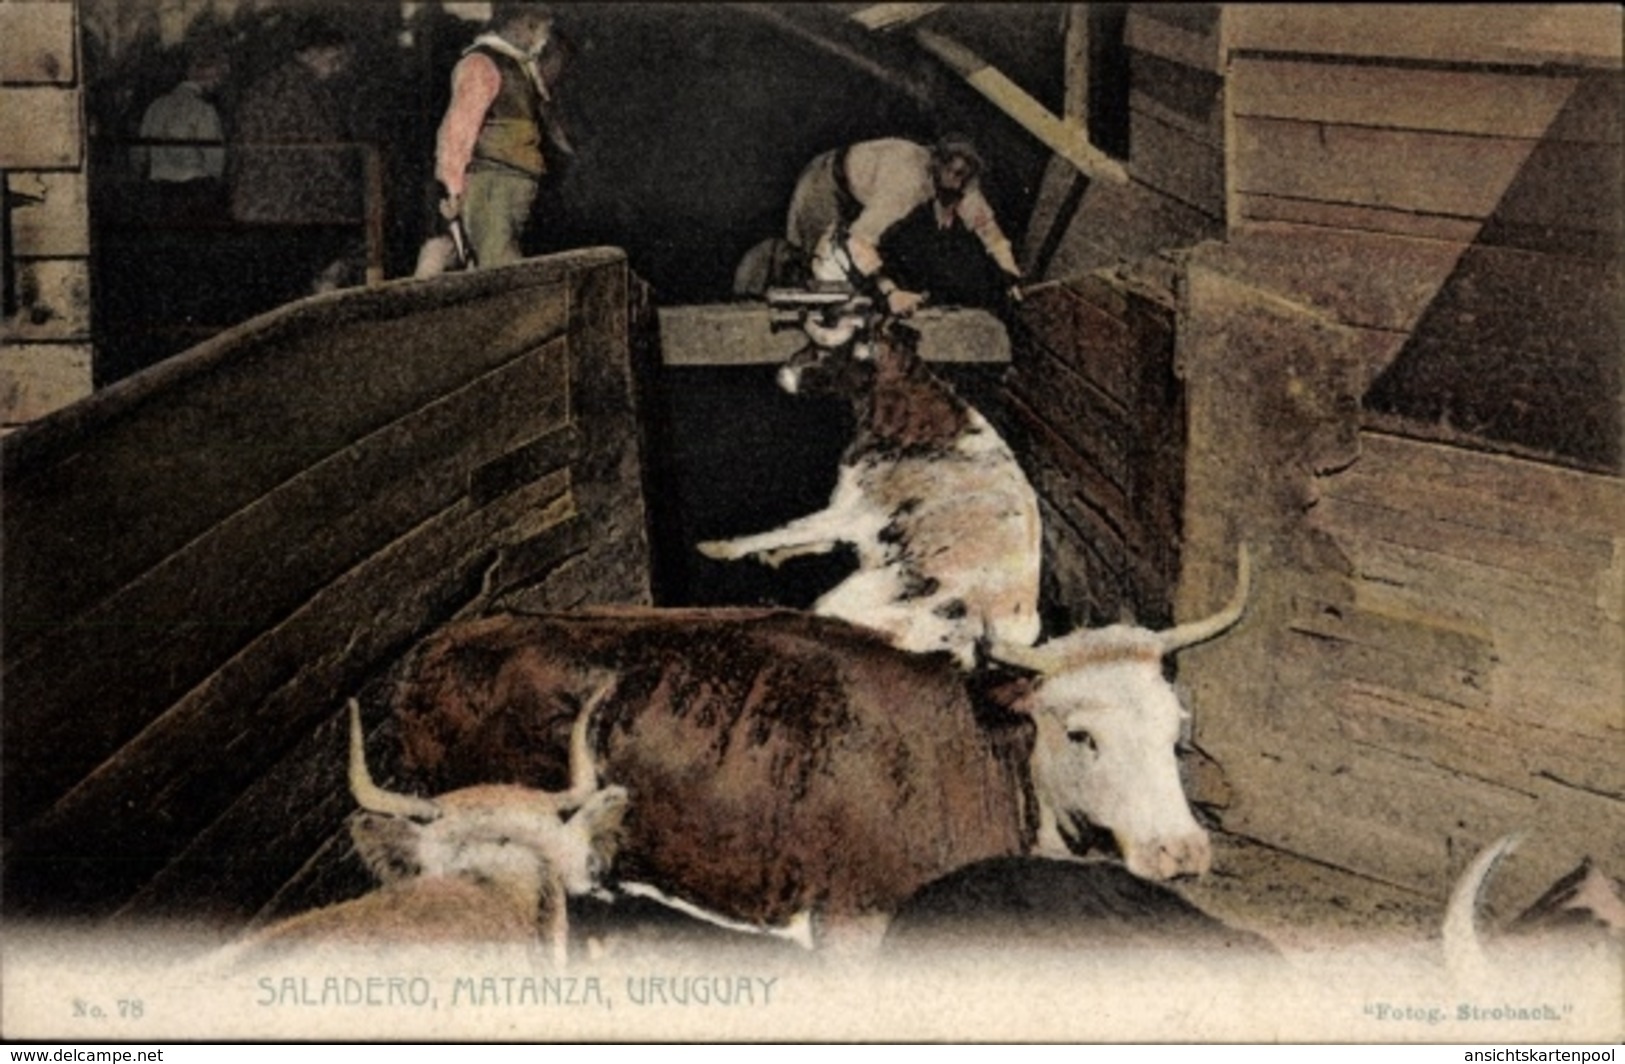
column 512, row 133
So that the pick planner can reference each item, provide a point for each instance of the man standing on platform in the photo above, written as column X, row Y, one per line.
column 489, row 156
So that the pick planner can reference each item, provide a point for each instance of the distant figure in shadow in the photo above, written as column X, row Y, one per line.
column 296, row 166
column 187, row 178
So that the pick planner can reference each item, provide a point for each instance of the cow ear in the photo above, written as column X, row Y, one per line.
column 388, row 845
column 600, row 820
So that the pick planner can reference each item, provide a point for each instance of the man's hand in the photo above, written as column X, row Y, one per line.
column 902, row 304
column 451, row 207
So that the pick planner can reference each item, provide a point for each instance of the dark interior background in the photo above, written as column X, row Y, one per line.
column 691, row 123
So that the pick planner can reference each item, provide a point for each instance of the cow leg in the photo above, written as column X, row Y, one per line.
column 852, row 941
column 817, row 533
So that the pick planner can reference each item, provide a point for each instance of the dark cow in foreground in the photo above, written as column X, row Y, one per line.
column 1027, row 905
column 1582, row 915
column 486, row 868
column 945, row 523
column 781, row 764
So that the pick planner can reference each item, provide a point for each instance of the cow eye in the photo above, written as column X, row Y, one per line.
column 1083, row 737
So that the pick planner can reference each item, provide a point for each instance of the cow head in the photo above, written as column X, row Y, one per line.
column 533, row 846
column 848, row 354
column 1107, row 726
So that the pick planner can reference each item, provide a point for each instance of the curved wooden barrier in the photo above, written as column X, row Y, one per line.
column 202, row 562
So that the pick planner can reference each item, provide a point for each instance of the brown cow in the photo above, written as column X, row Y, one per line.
column 782, row 763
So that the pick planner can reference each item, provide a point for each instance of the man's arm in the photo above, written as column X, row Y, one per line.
column 977, row 215
column 475, row 82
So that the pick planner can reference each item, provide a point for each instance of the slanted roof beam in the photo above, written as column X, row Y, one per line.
column 1069, row 140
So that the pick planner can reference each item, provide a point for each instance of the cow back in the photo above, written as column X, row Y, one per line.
column 776, row 761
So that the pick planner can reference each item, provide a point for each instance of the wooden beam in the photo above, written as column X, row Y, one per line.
column 1075, row 101
column 890, row 16
column 741, row 334
column 908, row 86
column 1066, row 139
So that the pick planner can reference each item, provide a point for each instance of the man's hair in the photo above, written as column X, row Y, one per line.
column 205, row 58
column 319, row 33
column 957, row 146
column 508, row 12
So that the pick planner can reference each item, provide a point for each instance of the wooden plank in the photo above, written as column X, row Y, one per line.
column 1183, row 96
column 1581, row 34
column 1426, row 172
column 1564, row 574
column 132, row 477
column 1429, row 662
column 891, row 15
column 1200, row 119
column 40, row 128
column 1411, row 725
column 1264, row 208
column 1364, row 279
column 607, row 480
column 237, row 863
column 1571, row 617
column 1188, row 45
column 1066, row 139
column 1517, row 182
column 123, row 823
column 1104, row 349
column 1556, row 662
column 1485, row 103
column 165, row 632
column 38, row 379
column 50, row 215
column 54, row 298
column 1116, row 224
column 40, row 41
column 1084, row 566
column 1080, row 416
column 742, row 334
column 1061, row 474
column 1530, row 499
column 1411, row 823
column 1190, row 170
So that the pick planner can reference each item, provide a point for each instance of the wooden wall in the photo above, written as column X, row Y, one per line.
column 45, row 362
column 1169, row 61
column 1097, row 416
column 202, row 562
column 1389, row 244
column 1435, row 651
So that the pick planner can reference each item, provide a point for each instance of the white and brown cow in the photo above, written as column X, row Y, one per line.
column 781, row 763
column 486, row 867
column 944, row 522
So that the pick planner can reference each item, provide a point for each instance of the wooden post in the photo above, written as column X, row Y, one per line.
column 373, row 168
column 1064, row 138
column 1075, row 101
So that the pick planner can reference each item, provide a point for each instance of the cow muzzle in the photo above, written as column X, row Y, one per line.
column 1189, row 854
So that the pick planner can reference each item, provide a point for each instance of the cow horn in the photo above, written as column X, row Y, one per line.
column 1034, row 659
column 1190, row 634
column 832, row 336
column 369, row 795
column 1463, row 953
column 583, row 768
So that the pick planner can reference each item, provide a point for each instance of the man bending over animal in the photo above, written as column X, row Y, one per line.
column 895, row 219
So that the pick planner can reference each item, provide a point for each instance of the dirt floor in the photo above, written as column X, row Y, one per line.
column 1298, row 903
